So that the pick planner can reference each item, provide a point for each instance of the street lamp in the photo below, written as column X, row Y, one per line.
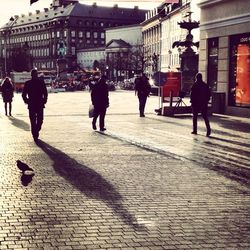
column 107, row 72
column 7, row 41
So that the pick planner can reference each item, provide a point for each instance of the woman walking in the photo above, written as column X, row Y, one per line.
column 100, row 100
column 7, row 94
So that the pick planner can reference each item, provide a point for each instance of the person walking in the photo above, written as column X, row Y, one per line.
column 100, row 101
column 142, row 90
column 7, row 94
column 35, row 95
column 200, row 95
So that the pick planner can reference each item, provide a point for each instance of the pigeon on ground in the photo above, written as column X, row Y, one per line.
column 23, row 166
column 26, row 179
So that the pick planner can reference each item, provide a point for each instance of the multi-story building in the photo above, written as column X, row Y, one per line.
column 124, row 51
column 225, row 52
column 58, row 32
column 86, row 58
column 161, row 30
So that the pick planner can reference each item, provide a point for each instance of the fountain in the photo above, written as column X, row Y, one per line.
column 188, row 58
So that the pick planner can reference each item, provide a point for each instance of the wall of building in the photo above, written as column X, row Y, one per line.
column 223, row 19
column 86, row 58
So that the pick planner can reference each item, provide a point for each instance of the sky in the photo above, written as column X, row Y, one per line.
column 9, row 8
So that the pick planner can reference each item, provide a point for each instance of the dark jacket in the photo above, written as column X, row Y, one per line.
column 35, row 93
column 100, row 94
column 142, row 86
column 200, row 94
column 7, row 91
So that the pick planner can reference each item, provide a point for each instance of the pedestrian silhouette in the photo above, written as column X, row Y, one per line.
column 142, row 90
column 7, row 94
column 200, row 95
column 35, row 95
column 100, row 100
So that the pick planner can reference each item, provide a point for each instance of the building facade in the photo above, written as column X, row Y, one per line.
column 160, row 29
column 58, row 32
column 86, row 58
column 124, row 51
column 225, row 53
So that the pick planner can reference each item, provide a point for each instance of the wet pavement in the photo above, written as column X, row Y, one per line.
column 146, row 183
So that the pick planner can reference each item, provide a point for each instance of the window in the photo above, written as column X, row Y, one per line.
column 80, row 34
column 73, row 50
column 239, row 88
column 212, row 72
column 65, row 33
column 58, row 34
column 88, row 34
column 95, row 34
column 73, row 33
column 102, row 35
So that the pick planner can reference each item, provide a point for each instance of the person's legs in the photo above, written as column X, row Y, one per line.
column 195, row 117
column 102, row 119
column 96, row 114
column 205, row 117
column 5, row 107
column 33, row 123
column 39, row 120
column 10, row 108
column 142, row 103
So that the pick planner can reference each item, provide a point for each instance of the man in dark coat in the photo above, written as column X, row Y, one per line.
column 35, row 95
column 142, row 89
column 100, row 100
column 200, row 95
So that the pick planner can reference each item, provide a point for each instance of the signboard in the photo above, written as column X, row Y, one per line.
column 173, row 84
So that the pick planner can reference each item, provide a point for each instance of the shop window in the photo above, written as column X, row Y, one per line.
column 239, row 87
column 212, row 76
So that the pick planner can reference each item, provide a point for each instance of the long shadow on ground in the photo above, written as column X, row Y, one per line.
column 89, row 182
column 19, row 123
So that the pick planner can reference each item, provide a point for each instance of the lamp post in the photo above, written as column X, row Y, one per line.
column 107, row 72
column 7, row 43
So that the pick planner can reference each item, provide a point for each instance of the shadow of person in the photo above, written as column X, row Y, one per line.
column 19, row 123
column 89, row 182
column 26, row 179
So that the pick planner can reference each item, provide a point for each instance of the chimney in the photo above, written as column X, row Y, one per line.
column 94, row 4
column 37, row 11
column 115, row 6
column 46, row 9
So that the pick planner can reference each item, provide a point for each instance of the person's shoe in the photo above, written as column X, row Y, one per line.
column 93, row 126
column 142, row 115
column 194, row 132
column 209, row 132
column 103, row 129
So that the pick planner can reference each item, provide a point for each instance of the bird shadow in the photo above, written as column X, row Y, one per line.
column 19, row 123
column 91, row 183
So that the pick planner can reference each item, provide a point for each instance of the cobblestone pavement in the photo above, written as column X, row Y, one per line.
column 146, row 183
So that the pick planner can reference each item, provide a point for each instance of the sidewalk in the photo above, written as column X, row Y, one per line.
column 146, row 183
